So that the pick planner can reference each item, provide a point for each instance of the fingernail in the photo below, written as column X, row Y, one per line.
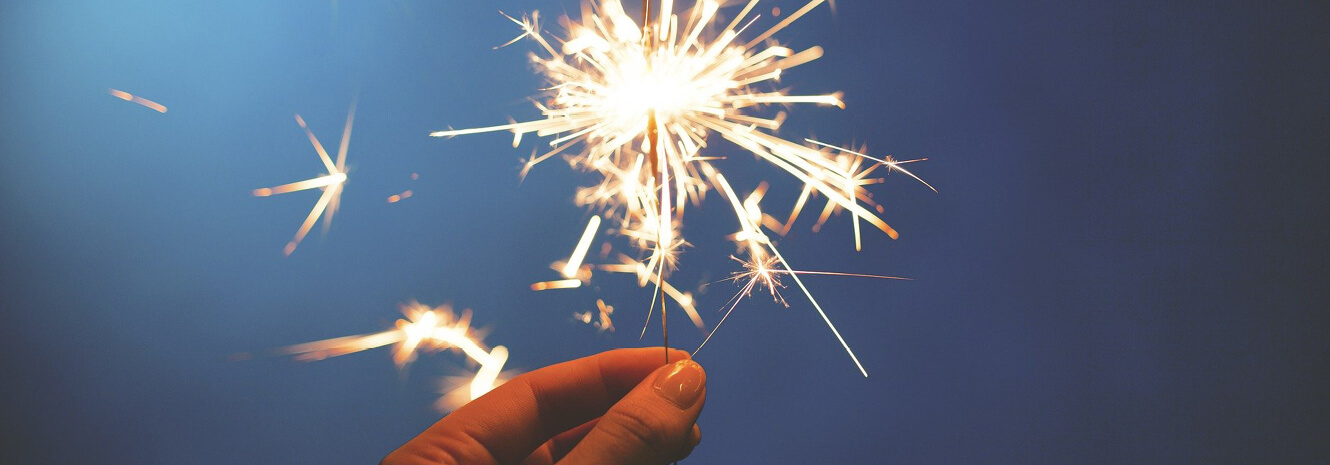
column 682, row 383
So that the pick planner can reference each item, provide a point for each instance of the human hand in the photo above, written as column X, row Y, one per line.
column 616, row 407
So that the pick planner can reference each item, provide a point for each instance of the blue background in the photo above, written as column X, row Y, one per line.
column 1123, row 264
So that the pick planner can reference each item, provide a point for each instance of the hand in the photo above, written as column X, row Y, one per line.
column 617, row 407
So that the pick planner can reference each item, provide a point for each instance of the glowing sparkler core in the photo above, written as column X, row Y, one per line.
column 331, row 183
column 637, row 103
column 423, row 329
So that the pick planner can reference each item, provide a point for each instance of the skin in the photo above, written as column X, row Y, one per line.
column 617, row 407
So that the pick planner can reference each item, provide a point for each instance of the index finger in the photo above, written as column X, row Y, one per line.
column 507, row 424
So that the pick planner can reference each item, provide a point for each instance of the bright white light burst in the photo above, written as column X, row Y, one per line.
column 638, row 105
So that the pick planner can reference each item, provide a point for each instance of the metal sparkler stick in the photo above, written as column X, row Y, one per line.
column 653, row 154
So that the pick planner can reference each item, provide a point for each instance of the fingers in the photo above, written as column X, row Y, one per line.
column 556, row 448
column 507, row 424
column 694, row 438
column 653, row 424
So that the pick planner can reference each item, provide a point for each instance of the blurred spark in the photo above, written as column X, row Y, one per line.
column 766, row 274
column 406, row 194
column 600, row 318
column 559, row 284
column 424, row 329
column 128, row 97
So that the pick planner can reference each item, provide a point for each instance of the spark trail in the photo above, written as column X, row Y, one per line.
column 424, row 329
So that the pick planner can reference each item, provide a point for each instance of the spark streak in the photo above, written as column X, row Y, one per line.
column 331, row 183
column 559, row 284
column 600, row 318
column 128, row 97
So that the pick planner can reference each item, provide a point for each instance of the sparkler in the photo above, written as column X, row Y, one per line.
column 330, row 183
column 637, row 104
column 424, row 329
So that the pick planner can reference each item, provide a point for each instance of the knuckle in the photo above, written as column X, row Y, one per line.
column 642, row 425
column 451, row 448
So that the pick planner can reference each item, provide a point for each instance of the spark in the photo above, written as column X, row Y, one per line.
column 558, row 284
column 583, row 245
column 128, row 97
column 424, row 329
column 600, row 318
column 638, row 104
column 766, row 273
column 331, row 183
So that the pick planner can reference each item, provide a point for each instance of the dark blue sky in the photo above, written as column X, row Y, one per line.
column 1124, row 263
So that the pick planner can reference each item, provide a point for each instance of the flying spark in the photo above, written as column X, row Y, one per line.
column 424, row 329
column 636, row 104
column 128, row 97
column 600, row 318
column 331, row 183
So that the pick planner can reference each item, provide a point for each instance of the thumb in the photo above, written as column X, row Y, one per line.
column 654, row 423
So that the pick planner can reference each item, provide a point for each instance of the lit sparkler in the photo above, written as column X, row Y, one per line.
column 424, row 329
column 330, row 183
column 637, row 104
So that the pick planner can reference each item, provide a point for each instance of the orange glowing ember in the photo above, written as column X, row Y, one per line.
column 423, row 329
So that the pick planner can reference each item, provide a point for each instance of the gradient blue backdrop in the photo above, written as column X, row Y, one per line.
column 1122, row 265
